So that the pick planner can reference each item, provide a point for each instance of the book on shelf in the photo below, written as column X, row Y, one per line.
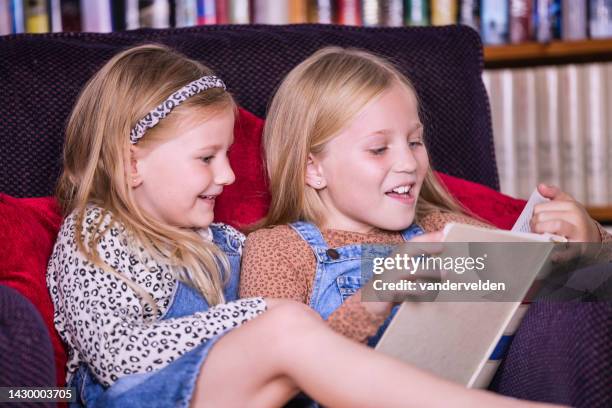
column 596, row 145
column 416, row 12
column 572, row 101
column 207, row 12
column 37, row 16
column 349, row 12
column 469, row 13
column 548, row 20
column 239, row 12
column 154, row 13
column 185, row 13
column 600, row 20
column 370, row 13
column 320, row 11
column 392, row 13
column 6, row 24
column 494, row 22
column 548, row 129
column 525, row 130
column 521, row 20
column 443, row 12
column 574, row 20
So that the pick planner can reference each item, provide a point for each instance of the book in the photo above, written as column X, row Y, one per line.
column 525, row 130
column 416, row 12
column 270, row 12
column 55, row 16
column 574, row 20
column 596, row 146
column 207, row 12
column 222, row 11
column 392, row 13
column 600, row 21
column 469, row 13
column 464, row 341
column 298, row 11
column 548, row 20
column 18, row 20
column 443, row 12
column 573, row 139
column 154, row 13
column 370, row 13
column 521, row 20
column 185, row 13
column 320, row 11
column 6, row 23
column 37, row 16
column 349, row 12
column 96, row 16
column 494, row 22
column 548, row 125
column 239, row 12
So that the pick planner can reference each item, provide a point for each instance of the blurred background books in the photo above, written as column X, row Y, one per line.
column 548, row 67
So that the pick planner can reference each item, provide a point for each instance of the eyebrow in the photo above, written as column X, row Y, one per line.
column 385, row 132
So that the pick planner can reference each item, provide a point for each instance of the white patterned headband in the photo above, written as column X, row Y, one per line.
column 163, row 109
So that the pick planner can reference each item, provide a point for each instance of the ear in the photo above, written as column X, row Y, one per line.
column 314, row 174
column 131, row 171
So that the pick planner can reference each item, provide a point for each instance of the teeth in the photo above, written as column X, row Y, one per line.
column 401, row 189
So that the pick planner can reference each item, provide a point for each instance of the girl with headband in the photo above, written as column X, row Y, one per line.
column 144, row 284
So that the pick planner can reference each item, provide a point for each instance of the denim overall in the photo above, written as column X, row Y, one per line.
column 339, row 270
column 173, row 385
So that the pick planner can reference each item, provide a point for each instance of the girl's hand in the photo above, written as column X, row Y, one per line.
column 563, row 216
column 384, row 308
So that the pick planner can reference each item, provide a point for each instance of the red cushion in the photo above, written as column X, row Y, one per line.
column 499, row 209
column 28, row 228
column 247, row 200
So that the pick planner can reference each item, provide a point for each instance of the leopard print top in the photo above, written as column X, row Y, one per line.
column 104, row 322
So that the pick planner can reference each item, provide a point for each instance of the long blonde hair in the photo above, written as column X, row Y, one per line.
column 96, row 156
column 313, row 104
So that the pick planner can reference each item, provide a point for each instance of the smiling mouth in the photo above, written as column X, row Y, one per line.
column 403, row 193
column 207, row 197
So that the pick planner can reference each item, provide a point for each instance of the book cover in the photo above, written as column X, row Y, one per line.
column 392, row 13
column 207, row 12
column 548, row 20
column 349, row 12
column 6, row 23
column 548, row 125
column 370, row 13
column 494, row 22
column 132, row 14
column 37, row 16
column 443, row 12
column 574, row 20
column 469, row 13
column 185, row 13
column 596, row 142
column 573, row 139
column 416, row 12
column 521, row 20
column 608, row 90
column 239, row 12
column 600, row 20
column 18, row 17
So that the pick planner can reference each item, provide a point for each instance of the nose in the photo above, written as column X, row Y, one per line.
column 224, row 175
column 405, row 162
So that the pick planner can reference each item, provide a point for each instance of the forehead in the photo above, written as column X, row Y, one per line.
column 201, row 128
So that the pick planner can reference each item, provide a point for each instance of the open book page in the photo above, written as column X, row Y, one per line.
column 522, row 222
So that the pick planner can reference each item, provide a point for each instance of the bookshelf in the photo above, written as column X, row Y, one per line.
column 601, row 214
column 556, row 52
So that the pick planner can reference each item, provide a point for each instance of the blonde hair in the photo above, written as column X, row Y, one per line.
column 96, row 156
column 313, row 104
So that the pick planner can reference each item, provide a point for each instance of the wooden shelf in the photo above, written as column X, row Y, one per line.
column 529, row 54
column 601, row 214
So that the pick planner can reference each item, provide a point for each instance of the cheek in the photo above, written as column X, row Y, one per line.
column 422, row 159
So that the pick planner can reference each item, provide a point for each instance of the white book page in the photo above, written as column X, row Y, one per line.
column 522, row 223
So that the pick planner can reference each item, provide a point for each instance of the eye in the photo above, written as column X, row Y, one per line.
column 415, row 144
column 207, row 159
column 378, row 151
